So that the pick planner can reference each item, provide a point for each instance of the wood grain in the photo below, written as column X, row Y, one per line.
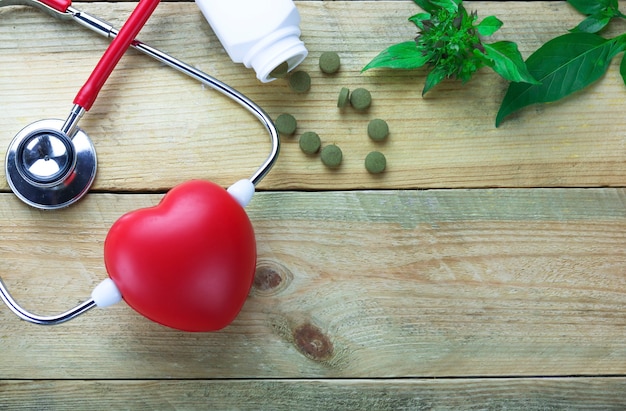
column 483, row 270
column 181, row 130
column 524, row 393
column 368, row 284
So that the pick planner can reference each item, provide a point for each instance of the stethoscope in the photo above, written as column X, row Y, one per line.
column 51, row 164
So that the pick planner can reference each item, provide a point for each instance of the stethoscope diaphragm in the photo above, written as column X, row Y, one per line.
column 48, row 169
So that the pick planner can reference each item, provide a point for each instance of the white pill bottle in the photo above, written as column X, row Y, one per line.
column 261, row 34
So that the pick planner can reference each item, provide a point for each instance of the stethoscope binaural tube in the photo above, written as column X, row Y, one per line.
column 67, row 12
column 52, row 163
column 106, row 292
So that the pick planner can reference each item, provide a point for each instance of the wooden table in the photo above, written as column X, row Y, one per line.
column 485, row 269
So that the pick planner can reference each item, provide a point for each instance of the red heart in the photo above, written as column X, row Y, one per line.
column 187, row 263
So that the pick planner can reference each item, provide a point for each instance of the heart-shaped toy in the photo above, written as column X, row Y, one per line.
column 188, row 262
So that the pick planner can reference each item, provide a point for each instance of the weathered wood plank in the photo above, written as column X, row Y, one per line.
column 408, row 394
column 180, row 130
column 350, row 284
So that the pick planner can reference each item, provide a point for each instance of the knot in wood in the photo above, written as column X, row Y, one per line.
column 270, row 277
column 312, row 342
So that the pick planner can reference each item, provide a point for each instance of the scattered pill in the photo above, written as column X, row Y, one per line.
column 300, row 81
column 344, row 97
column 286, row 124
column 375, row 162
column 361, row 99
column 378, row 129
column 331, row 156
column 280, row 71
column 329, row 62
column 310, row 142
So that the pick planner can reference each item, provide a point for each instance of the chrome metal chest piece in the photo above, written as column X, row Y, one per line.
column 48, row 169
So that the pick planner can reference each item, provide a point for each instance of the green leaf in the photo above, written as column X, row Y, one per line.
column 563, row 65
column 426, row 5
column 435, row 77
column 593, row 23
column 399, row 56
column 450, row 5
column 599, row 12
column 622, row 68
column 591, row 7
column 488, row 26
column 419, row 18
column 508, row 62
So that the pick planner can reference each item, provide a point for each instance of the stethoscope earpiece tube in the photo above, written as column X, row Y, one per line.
column 89, row 92
column 21, row 172
column 50, row 165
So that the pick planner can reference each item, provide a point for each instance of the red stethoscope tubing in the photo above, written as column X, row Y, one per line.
column 59, row 5
column 87, row 94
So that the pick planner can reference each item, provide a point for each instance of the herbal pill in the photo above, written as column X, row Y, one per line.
column 331, row 156
column 377, row 129
column 286, row 124
column 375, row 162
column 344, row 96
column 329, row 62
column 300, row 81
column 280, row 71
column 361, row 99
column 310, row 142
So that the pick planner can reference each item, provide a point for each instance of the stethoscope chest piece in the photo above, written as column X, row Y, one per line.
column 48, row 169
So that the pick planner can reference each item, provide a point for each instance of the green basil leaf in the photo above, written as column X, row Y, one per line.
column 622, row 68
column 599, row 12
column 450, row 5
column 590, row 7
column 593, row 23
column 426, row 5
column 435, row 77
column 614, row 4
column 399, row 56
column 419, row 18
column 563, row 65
column 508, row 62
column 488, row 26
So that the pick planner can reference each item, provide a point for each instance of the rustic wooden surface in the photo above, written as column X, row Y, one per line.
column 486, row 269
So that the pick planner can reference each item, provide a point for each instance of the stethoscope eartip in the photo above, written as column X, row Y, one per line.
column 106, row 293
column 242, row 191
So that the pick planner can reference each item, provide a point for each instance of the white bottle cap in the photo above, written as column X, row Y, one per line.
column 282, row 46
